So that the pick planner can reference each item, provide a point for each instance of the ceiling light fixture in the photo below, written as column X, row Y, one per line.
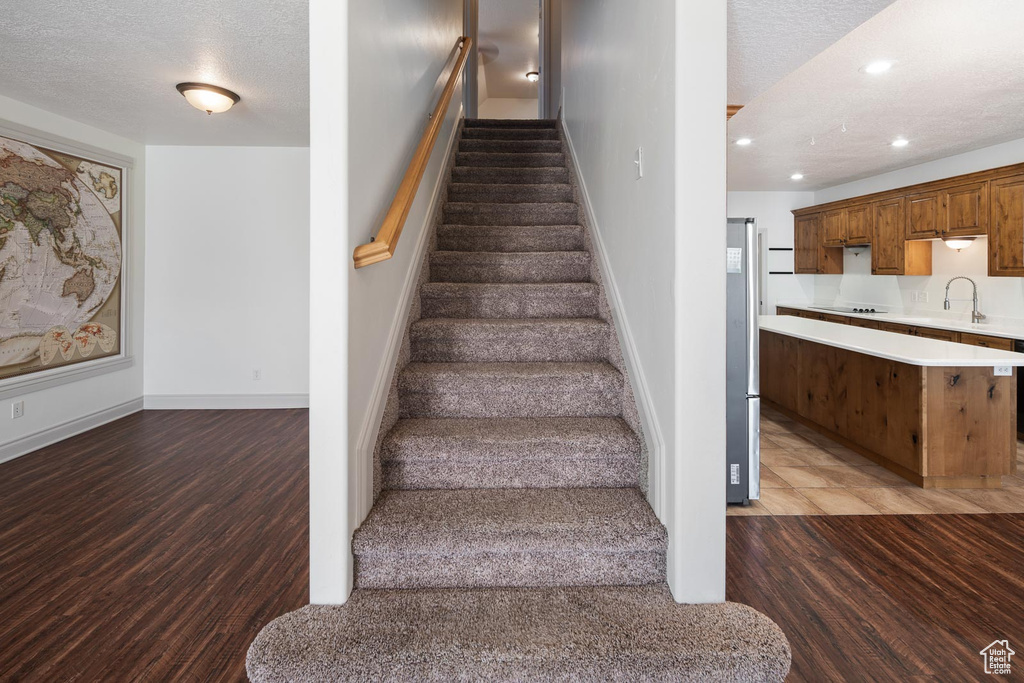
column 900, row 142
column 797, row 176
column 743, row 142
column 878, row 67
column 958, row 243
column 533, row 76
column 208, row 98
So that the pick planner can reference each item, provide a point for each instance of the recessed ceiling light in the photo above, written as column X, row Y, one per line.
column 878, row 67
column 208, row 98
column 533, row 77
column 900, row 142
column 743, row 142
column 797, row 176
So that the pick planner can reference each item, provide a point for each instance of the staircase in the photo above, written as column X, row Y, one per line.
column 510, row 540
column 510, row 464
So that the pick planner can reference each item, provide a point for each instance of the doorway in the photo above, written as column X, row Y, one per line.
column 508, row 74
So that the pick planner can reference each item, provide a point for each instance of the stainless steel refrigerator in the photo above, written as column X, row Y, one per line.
column 743, row 402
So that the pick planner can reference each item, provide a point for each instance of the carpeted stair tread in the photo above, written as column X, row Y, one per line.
column 510, row 238
column 510, row 160
column 471, row 133
column 587, row 633
column 447, row 340
column 488, row 266
column 511, row 123
column 510, row 390
column 509, row 537
column 510, row 146
column 453, row 453
column 510, row 193
column 523, row 213
column 506, row 175
column 508, row 300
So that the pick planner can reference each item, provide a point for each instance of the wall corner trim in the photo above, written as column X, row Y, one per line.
column 224, row 401
column 620, row 321
column 52, row 435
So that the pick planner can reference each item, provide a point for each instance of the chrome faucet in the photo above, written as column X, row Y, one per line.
column 976, row 317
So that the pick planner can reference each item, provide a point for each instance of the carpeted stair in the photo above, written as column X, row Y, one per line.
column 511, row 539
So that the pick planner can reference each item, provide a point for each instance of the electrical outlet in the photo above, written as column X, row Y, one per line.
column 17, row 409
column 1004, row 371
column 257, row 375
column 922, row 297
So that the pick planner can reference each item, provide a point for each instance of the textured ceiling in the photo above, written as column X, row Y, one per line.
column 768, row 39
column 957, row 85
column 509, row 46
column 115, row 65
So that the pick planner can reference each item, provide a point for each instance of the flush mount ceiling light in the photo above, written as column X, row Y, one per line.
column 743, row 142
column 958, row 243
column 900, row 142
column 797, row 176
column 208, row 98
column 533, row 76
column 876, row 67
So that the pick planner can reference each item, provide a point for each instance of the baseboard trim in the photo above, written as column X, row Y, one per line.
column 620, row 321
column 47, row 437
column 225, row 401
column 367, row 438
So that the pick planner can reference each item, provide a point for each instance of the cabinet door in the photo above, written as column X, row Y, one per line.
column 861, row 322
column 839, row 319
column 965, row 210
column 781, row 310
column 1006, row 227
column 986, row 341
column 887, row 245
column 833, row 228
column 923, row 216
column 897, row 328
column 935, row 333
column 806, row 245
column 859, row 223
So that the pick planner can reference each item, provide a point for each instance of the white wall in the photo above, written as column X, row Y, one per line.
column 628, row 82
column 508, row 108
column 999, row 297
column 227, row 260
column 773, row 213
column 57, row 412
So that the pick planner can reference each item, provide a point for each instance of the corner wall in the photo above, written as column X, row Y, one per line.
column 58, row 412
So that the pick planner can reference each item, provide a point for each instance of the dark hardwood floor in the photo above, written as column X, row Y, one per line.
column 153, row 548
column 883, row 598
column 156, row 547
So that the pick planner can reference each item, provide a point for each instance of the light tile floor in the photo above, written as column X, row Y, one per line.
column 805, row 473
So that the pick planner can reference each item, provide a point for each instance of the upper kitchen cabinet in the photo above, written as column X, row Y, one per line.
column 860, row 224
column 891, row 253
column 965, row 210
column 923, row 211
column 811, row 256
column 1006, row 227
column 833, row 228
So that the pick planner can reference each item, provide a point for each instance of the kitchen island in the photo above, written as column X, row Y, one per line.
column 937, row 413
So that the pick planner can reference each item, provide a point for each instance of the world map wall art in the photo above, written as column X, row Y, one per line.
column 61, row 252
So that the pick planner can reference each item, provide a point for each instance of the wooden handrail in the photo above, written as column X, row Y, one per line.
column 382, row 247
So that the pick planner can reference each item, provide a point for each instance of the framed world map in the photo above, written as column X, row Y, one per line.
column 61, row 258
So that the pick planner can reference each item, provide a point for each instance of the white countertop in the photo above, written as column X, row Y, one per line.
column 892, row 345
column 990, row 329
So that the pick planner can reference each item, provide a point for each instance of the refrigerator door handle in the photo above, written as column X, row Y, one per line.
column 753, row 351
column 754, row 447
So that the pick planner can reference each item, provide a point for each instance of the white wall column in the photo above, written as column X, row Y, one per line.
column 330, row 570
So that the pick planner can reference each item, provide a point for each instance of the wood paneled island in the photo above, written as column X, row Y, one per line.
column 934, row 412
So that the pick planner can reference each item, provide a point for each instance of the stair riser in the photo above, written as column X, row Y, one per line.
column 509, row 134
column 509, row 160
column 473, row 570
column 517, row 270
column 511, row 123
column 510, row 239
column 512, row 473
column 512, row 401
column 518, row 348
column 535, row 176
column 512, row 306
column 457, row 213
column 490, row 193
column 511, row 146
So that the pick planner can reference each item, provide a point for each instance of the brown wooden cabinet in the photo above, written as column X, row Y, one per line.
column 1006, row 227
column 936, row 333
column 891, row 253
column 923, row 216
column 833, row 228
column 811, row 256
column 965, row 210
column 862, row 322
column 986, row 341
column 860, row 222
